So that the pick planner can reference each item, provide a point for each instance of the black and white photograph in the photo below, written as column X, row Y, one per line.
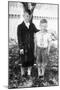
column 33, row 44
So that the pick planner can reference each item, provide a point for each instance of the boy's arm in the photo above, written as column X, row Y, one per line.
column 49, row 43
column 19, row 40
column 35, row 29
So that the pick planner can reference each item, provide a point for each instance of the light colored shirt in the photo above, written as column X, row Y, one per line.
column 42, row 39
column 27, row 24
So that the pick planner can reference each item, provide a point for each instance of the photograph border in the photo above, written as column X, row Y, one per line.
column 57, row 42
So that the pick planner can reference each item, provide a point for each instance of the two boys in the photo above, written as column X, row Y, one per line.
column 25, row 35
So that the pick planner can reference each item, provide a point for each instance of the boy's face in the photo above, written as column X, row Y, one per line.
column 43, row 26
column 26, row 17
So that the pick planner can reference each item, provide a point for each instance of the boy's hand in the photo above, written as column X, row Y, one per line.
column 21, row 51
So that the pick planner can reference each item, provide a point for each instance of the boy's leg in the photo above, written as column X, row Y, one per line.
column 38, row 61
column 39, row 71
column 42, row 70
column 29, row 71
column 22, row 71
column 44, row 60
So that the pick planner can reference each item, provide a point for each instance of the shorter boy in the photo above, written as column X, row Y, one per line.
column 42, row 43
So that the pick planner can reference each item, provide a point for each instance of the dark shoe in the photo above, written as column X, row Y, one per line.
column 41, row 77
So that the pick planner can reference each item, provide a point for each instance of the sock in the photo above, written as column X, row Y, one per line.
column 29, row 70
column 22, row 71
column 39, row 73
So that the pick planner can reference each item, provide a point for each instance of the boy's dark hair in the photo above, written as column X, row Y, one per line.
column 43, row 21
column 28, row 11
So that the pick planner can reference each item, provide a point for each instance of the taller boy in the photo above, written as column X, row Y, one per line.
column 25, row 33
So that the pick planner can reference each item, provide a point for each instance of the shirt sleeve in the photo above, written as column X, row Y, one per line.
column 35, row 29
column 49, row 38
column 19, row 37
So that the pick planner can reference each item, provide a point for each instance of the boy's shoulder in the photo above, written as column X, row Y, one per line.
column 37, row 34
column 46, row 33
column 21, row 24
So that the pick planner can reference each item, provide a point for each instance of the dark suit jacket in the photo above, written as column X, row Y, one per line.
column 26, row 42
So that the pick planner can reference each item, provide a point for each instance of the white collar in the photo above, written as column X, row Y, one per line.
column 27, row 24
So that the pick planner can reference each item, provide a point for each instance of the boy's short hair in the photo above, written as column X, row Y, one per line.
column 43, row 21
